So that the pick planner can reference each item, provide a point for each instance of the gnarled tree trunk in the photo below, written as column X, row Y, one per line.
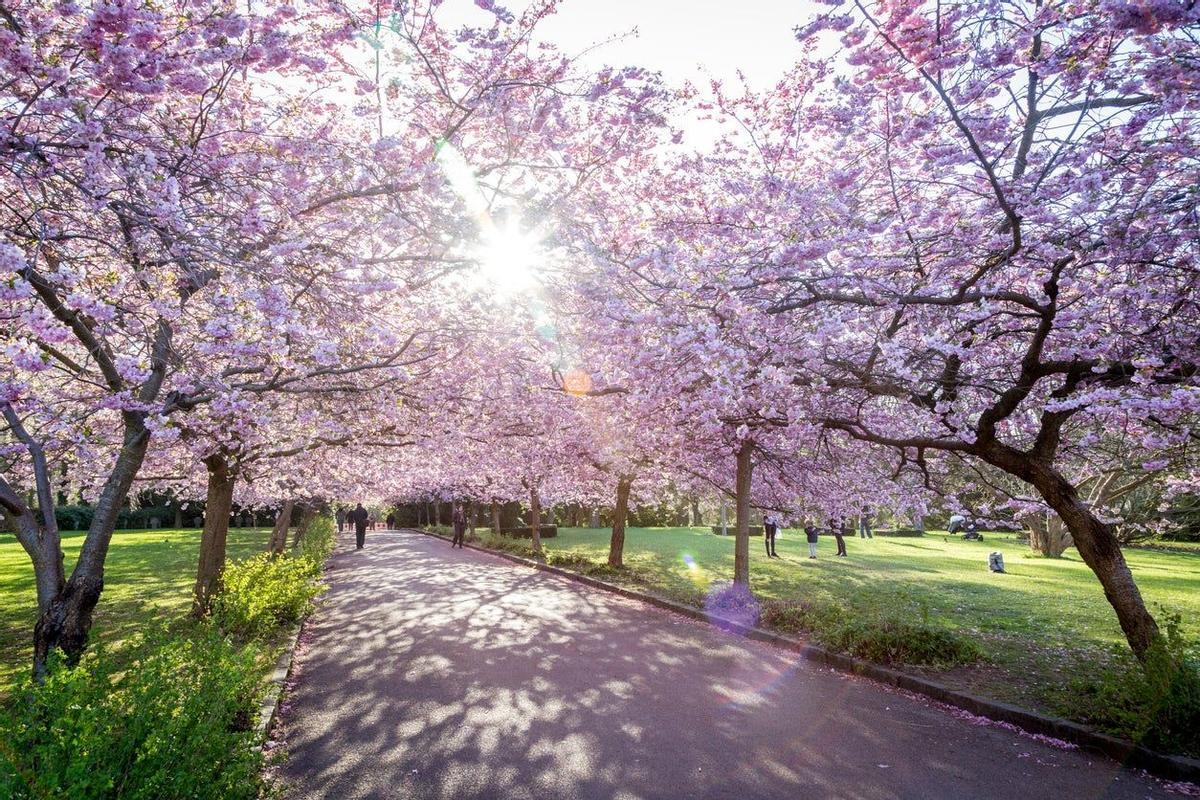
column 1047, row 534
column 616, row 545
column 741, row 544
column 496, row 518
column 1094, row 539
column 67, row 619
column 219, row 504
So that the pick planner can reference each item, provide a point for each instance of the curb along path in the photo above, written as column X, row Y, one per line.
column 1128, row 753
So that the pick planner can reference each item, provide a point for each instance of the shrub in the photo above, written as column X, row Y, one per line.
column 885, row 640
column 575, row 561
column 173, row 722
column 261, row 594
column 1156, row 703
column 881, row 639
column 264, row 593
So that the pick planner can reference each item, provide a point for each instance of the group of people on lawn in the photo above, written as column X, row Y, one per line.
column 837, row 527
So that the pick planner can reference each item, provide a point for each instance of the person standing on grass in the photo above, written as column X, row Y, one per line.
column 811, row 533
column 359, row 518
column 837, row 526
column 770, row 529
column 341, row 518
column 864, row 524
column 459, row 519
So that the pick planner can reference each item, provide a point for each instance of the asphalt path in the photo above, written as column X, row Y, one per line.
column 454, row 674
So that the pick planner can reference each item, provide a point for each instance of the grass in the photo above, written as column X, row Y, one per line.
column 148, row 576
column 1042, row 621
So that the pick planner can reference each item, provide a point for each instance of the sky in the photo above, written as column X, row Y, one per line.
column 684, row 39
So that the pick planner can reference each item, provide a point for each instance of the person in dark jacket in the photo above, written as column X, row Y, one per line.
column 837, row 526
column 770, row 530
column 864, row 523
column 391, row 521
column 459, row 519
column 341, row 519
column 811, row 533
column 359, row 517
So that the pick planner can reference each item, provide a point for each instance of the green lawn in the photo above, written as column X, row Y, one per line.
column 1043, row 621
column 149, row 575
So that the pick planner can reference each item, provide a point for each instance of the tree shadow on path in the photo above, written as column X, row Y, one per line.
column 453, row 674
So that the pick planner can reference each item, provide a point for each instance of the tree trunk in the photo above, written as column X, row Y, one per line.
column 616, row 545
column 437, row 514
column 594, row 518
column 178, row 518
column 535, row 520
column 218, row 505
column 741, row 544
column 1098, row 547
column 279, row 533
column 66, row 621
column 724, row 517
column 496, row 518
column 697, row 519
column 1096, row 542
column 1047, row 534
column 308, row 515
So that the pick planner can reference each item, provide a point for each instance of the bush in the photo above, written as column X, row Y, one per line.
column 885, row 640
column 264, row 593
column 1156, row 703
column 881, row 639
column 175, row 722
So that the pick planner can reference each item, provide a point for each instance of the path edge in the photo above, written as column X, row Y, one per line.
column 1130, row 754
column 268, row 707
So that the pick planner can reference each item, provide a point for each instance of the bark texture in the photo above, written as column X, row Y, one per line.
column 219, row 504
column 616, row 545
column 535, row 519
column 278, row 539
column 741, row 544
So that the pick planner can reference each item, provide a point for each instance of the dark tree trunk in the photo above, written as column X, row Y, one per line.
column 594, row 518
column 308, row 515
column 471, row 512
column 178, row 518
column 279, row 533
column 616, row 545
column 1095, row 540
column 741, row 544
column 535, row 519
column 219, row 503
column 66, row 621
column 1098, row 547
column 496, row 518
column 697, row 520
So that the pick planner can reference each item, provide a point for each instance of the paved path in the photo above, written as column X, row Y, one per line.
column 446, row 674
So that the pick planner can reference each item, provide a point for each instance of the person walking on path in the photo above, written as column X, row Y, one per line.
column 341, row 518
column 770, row 529
column 811, row 533
column 391, row 521
column 459, row 519
column 837, row 526
column 359, row 517
column 864, row 524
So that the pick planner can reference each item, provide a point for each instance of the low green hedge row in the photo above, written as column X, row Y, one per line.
column 171, row 716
